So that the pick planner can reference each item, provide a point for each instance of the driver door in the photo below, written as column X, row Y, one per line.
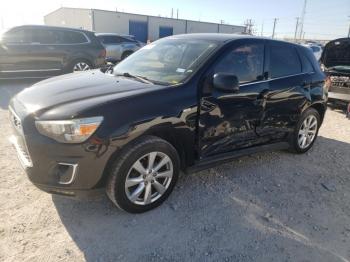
column 228, row 121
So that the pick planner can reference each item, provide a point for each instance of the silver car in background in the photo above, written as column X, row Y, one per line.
column 118, row 47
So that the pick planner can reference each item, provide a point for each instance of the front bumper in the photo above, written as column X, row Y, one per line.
column 68, row 169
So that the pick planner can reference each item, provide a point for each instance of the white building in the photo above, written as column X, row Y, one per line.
column 143, row 27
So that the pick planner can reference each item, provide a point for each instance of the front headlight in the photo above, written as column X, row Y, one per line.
column 69, row 131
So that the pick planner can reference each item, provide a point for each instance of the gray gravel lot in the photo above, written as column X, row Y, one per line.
column 274, row 206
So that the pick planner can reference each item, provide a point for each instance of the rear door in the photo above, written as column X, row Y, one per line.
column 45, row 52
column 288, row 89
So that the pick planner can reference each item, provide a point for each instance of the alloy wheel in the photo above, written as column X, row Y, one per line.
column 81, row 66
column 307, row 132
column 149, row 178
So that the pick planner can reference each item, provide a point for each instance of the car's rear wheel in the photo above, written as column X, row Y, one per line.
column 143, row 175
column 80, row 65
column 306, row 131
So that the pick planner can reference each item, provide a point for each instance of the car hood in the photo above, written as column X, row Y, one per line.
column 337, row 53
column 86, row 88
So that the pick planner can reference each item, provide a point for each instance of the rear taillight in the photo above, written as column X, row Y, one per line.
column 102, row 53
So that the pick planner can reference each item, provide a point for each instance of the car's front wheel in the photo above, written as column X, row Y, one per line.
column 306, row 131
column 143, row 175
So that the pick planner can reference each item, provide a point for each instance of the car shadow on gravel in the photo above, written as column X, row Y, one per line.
column 274, row 206
column 9, row 88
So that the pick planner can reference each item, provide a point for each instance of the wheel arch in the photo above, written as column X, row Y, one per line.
column 321, row 109
column 181, row 140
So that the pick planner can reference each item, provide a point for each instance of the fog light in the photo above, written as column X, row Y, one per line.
column 66, row 173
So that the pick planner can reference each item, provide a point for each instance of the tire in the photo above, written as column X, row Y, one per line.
column 132, row 198
column 74, row 66
column 126, row 54
column 301, row 129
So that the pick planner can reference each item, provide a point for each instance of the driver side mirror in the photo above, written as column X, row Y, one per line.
column 226, row 82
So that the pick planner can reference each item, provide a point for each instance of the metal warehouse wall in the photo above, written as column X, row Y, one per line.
column 200, row 27
column 114, row 22
column 179, row 26
column 70, row 17
column 142, row 26
column 229, row 29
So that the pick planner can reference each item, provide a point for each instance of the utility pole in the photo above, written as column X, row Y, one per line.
column 172, row 12
column 274, row 27
column 177, row 13
column 296, row 29
column 262, row 29
column 302, row 19
column 249, row 26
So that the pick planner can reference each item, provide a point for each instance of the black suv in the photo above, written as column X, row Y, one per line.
column 184, row 102
column 41, row 51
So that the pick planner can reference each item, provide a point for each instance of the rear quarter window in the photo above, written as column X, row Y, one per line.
column 307, row 66
column 284, row 61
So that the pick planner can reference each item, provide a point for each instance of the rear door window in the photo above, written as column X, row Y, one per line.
column 72, row 37
column 245, row 61
column 284, row 60
column 46, row 36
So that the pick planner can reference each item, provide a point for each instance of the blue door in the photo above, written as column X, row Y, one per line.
column 165, row 31
column 139, row 30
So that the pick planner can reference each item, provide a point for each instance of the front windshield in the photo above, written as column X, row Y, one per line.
column 167, row 61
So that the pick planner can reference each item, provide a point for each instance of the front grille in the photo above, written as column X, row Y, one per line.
column 18, row 140
column 340, row 81
column 15, row 121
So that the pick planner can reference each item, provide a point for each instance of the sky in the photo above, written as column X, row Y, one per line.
column 324, row 19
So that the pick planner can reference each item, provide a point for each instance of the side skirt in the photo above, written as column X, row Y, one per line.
column 227, row 157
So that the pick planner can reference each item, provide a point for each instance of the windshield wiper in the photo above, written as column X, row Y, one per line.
column 140, row 78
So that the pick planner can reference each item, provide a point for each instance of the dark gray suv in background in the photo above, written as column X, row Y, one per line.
column 42, row 51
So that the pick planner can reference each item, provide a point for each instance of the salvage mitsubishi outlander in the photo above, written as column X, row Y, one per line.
column 185, row 102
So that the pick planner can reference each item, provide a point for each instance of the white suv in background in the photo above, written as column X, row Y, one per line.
column 118, row 47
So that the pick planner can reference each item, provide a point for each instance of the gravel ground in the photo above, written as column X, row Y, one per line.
column 274, row 206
